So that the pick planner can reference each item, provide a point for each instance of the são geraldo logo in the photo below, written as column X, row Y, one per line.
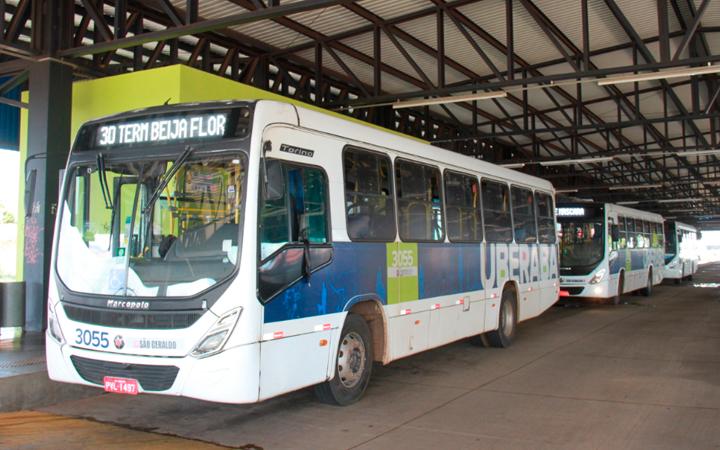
column 119, row 342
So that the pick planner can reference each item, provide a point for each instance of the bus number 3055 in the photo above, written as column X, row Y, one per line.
column 91, row 338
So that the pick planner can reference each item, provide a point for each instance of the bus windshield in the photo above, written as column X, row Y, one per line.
column 581, row 243
column 156, row 230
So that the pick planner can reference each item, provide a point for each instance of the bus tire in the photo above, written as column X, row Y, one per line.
column 353, row 364
column 621, row 284
column 507, row 321
column 647, row 290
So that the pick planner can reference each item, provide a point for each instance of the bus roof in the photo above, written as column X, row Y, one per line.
column 363, row 134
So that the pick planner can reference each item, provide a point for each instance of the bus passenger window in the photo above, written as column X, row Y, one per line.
column 300, row 215
column 419, row 202
column 496, row 211
column 523, row 209
column 640, row 238
column 369, row 204
column 546, row 220
column 622, row 224
column 462, row 197
column 631, row 233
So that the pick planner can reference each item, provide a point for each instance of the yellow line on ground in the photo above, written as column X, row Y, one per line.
column 36, row 430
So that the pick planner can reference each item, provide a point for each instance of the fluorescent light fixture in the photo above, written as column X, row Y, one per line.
column 451, row 99
column 634, row 202
column 711, row 183
column 513, row 165
column 636, row 186
column 660, row 75
column 686, row 210
column 565, row 191
column 678, row 200
column 710, row 151
column 567, row 162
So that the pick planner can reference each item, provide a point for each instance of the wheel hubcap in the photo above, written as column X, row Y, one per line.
column 351, row 359
column 507, row 318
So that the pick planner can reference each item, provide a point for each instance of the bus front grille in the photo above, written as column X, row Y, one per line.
column 574, row 290
column 155, row 320
column 151, row 378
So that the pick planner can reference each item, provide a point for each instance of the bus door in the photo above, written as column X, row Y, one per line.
column 525, row 253
column 611, row 249
column 547, row 249
column 297, row 277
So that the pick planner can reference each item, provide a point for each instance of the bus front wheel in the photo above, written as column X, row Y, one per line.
column 507, row 323
column 353, row 364
column 617, row 298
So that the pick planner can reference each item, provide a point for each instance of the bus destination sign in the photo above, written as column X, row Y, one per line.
column 570, row 212
column 159, row 130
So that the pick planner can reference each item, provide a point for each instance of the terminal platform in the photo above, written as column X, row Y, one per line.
column 644, row 374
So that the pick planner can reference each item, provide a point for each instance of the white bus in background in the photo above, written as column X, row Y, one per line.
column 682, row 254
column 236, row 251
column 607, row 250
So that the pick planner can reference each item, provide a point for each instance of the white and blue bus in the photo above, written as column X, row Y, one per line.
column 237, row 251
column 607, row 250
column 682, row 253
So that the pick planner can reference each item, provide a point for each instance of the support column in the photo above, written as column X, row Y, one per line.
column 48, row 147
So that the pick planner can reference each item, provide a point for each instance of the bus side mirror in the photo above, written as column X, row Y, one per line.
column 275, row 181
column 699, row 235
column 615, row 233
column 680, row 237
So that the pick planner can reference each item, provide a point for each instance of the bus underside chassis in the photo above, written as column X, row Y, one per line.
column 353, row 364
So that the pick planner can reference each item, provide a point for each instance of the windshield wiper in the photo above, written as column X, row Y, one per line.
column 107, row 198
column 166, row 179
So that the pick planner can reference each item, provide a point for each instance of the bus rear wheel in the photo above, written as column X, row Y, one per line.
column 647, row 291
column 353, row 364
column 507, row 324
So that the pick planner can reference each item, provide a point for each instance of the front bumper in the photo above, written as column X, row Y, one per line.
column 599, row 290
column 231, row 376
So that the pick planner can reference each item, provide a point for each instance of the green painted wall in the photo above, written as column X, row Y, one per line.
column 111, row 95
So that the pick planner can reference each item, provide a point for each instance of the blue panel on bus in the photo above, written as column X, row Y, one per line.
column 360, row 270
column 639, row 259
column 356, row 269
column 448, row 269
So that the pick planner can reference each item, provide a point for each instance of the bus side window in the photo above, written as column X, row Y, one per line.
column 462, row 199
column 546, row 221
column 420, row 208
column 523, row 210
column 369, row 203
column 496, row 211
column 622, row 224
column 630, row 224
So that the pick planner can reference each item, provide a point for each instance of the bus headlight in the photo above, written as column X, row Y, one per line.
column 598, row 277
column 54, row 326
column 214, row 340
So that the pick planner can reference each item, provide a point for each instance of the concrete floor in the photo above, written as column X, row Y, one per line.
column 642, row 375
